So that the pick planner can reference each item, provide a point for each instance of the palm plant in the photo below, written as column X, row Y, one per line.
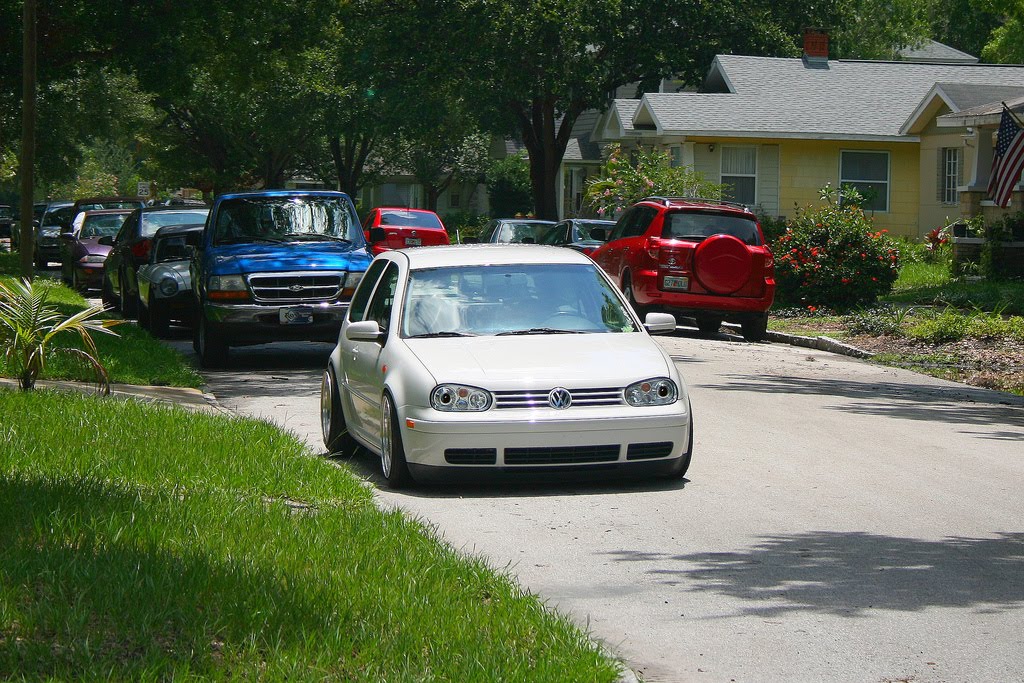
column 29, row 330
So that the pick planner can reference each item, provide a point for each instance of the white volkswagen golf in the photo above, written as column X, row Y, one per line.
column 455, row 361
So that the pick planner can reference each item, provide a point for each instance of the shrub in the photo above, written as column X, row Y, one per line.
column 463, row 224
column 833, row 257
column 508, row 186
column 627, row 178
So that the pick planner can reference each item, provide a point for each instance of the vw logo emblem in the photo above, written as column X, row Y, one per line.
column 296, row 288
column 559, row 398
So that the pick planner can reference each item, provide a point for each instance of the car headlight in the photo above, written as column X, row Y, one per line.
column 455, row 398
column 352, row 280
column 168, row 286
column 227, row 287
column 652, row 392
column 92, row 259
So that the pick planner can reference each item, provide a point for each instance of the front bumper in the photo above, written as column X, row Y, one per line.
column 261, row 323
column 650, row 441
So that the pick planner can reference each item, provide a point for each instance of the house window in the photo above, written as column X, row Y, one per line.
column 676, row 158
column 869, row 173
column 950, row 168
column 739, row 174
column 454, row 200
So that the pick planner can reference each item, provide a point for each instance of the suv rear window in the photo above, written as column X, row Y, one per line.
column 695, row 226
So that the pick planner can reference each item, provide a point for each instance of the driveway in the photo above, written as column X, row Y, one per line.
column 841, row 521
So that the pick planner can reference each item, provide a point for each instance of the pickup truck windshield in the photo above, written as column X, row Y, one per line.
column 284, row 218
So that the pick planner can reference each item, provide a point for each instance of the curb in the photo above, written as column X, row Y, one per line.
column 819, row 343
column 190, row 399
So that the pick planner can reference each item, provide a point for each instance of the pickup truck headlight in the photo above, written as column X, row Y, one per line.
column 652, row 392
column 227, row 287
column 352, row 280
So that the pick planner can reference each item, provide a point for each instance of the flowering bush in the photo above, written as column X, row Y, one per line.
column 626, row 179
column 832, row 256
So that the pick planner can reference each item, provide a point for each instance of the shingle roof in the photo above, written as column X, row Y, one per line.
column 779, row 97
column 966, row 96
column 934, row 51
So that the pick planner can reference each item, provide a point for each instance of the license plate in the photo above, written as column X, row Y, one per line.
column 413, row 241
column 672, row 282
column 296, row 316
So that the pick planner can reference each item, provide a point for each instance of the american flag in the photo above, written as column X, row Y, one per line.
column 1008, row 160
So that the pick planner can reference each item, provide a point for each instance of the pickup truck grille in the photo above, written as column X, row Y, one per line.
column 296, row 287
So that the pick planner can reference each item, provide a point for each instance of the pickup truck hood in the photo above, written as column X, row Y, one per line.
column 235, row 259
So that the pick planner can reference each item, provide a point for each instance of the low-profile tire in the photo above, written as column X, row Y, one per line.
column 129, row 303
column 144, row 316
column 392, row 452
column 627, row 290
column 210, row 346
column 159, row 320
column 708, row 326
column 755, row 329
column 679, row 471
column 332, row 416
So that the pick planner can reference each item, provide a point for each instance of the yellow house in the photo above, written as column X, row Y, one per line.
column 777, row 130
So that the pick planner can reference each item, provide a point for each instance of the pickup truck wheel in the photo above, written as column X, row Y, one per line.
column 332, row 417
column 211, row 347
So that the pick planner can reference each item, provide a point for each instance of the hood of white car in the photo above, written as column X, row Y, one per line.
column 570, row 360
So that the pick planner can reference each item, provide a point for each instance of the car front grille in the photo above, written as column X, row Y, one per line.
column 647, row 451
column 296, row 287
column 561, row 455
column 580, row 397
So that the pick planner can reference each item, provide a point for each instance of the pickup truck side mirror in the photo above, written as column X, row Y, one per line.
column 377, row 235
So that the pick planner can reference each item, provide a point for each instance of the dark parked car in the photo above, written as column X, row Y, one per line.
column 6, row 220
column 81, row 255
column 53, row 219
column 697, row 258
column 165, row 286
column 581, row 234
column 97, row 203
column 131, row 247
column 515, row 230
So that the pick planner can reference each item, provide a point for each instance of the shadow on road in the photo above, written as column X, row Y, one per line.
column 906, row 400
column 846, row 574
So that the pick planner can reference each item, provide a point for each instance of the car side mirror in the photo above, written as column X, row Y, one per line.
column 599, row 234
column 67, row 236
column 365, row 330
column 660, row 323
column 190, row 250
column 106, row 240
column 377, row 235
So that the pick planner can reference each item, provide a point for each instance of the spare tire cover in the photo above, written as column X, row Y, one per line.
column 722, row 264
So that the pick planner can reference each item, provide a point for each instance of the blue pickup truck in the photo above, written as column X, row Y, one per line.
column 276, row 265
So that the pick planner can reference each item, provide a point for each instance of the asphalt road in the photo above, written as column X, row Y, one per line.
column 840, row 522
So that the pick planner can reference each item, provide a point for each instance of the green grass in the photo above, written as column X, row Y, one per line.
column 190, row 546
column 931, row 284
column 132, row 357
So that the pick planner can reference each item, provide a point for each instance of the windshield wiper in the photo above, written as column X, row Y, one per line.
column 315, row 236
column 245, row 238
column 430, row 335
column 538, row 330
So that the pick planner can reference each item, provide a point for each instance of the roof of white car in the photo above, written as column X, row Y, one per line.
column 486, row 254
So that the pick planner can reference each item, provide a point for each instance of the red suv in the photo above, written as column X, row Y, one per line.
column 395, row 228
column 697, row 258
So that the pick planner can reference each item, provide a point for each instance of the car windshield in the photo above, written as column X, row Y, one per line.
column 58, row 217
column 692, row 225
column 102, row 225
column 523, row 232
column 412, row 219
column 284, row 218
column 587, row 230
column 511, row 299
column 154, row 220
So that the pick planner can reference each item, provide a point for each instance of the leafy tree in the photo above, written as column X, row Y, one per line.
column 626, row 179
column 1006, row 42
column 508, row 186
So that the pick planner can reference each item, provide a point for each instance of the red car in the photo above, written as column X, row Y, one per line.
column 696, row 258
column 396, row 228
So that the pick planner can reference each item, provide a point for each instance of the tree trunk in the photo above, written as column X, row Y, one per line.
column 27, row 163
column 545, row 140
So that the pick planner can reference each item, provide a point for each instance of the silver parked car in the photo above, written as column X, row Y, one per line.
column 165, row 286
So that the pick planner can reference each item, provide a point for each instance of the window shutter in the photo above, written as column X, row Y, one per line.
column 940, row 175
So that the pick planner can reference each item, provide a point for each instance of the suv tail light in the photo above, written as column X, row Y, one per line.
column 140, row 250
column 653, row 247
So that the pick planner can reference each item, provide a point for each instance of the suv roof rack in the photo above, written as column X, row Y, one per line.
column 668, row 200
